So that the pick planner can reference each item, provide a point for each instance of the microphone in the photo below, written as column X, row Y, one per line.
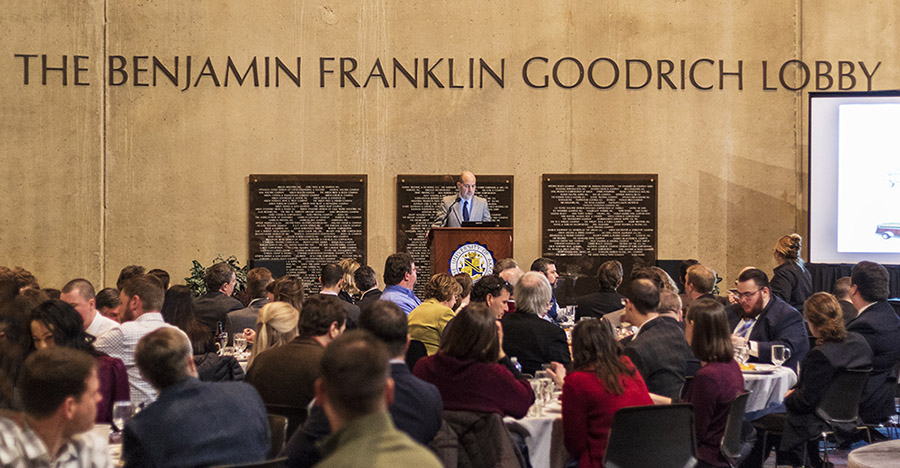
column 449, row 210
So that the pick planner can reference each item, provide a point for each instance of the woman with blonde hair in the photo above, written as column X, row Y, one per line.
column 791, row 280
column 427, row 321
column 349, row 291
column 277, row 324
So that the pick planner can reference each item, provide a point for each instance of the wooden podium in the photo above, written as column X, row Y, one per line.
column 443, row 242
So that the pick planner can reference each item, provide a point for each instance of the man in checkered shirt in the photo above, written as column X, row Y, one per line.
column 60, row 390
column 141, row 299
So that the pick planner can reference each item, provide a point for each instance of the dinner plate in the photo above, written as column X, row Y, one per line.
column 553, row 408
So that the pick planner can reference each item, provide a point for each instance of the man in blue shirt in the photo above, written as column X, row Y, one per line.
column 399, row 279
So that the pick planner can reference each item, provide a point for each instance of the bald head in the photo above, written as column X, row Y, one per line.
column 466, row 185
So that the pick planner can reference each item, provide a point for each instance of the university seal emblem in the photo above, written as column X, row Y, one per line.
column 472, row 259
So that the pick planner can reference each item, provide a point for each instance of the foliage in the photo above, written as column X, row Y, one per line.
column 715, row 291
column 197, row 280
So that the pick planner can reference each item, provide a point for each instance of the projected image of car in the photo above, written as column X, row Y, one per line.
column 888, row 230
column 893, row 179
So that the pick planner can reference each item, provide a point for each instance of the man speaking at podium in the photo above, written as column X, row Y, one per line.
column 464, row 206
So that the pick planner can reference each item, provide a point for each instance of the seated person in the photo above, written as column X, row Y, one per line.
column 276, row 326
column 606, row 299
column 718, row 382
column 527, row 336
column 427, row 321
column 471, row 370
column 836, row 351
column 494, row 292
column 192, row 423
column 603, row 380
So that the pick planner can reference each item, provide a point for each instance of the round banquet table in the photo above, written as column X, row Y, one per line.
column 544, row 437
column 881, row 454
column 767, row 386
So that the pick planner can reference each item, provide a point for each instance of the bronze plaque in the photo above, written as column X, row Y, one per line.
column 307, row 221
column 418, row 200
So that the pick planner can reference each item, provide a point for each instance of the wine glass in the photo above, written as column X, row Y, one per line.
column 742, row 353
column 121, row 413
column 780, row 354
column 240, row 344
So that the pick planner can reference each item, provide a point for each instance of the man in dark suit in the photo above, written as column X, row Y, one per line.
column 526, row 335
column 761, row 320
column 237, row 321
column 368, row 284
column 463, row 206
column 879, row 325
column 658, row 350
column 213, row 307
column 192, row 423
column 331, row 279
column 606, row 300
column 417, row 408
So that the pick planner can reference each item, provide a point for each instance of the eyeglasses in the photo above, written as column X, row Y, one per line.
column 747, row 295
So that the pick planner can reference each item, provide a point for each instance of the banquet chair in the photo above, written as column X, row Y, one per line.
column 278, row 426
column 731, row 440
column 295, row 415
column 273, row 463
column 661, row 436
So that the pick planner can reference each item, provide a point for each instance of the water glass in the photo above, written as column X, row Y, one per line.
column 240, row 344
column 121, row 413
column 742, row 353
column 780, row 354
column 538, row 407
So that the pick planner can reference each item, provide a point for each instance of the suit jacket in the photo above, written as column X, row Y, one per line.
column 195, row 423
column 352, row 311
column 417, row 410
column 849, row 311
column 237, row 321
column 598, row 304
column 880, row 327
column 213, row 307
column 792, row 283
column 661, row 354
column 286, row 374
column 368, row 298
column 534, row 341
column 450, row 213
column 778, row 323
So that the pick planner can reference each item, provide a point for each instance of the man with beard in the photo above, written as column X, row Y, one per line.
column 141, row 298
column 761, row 320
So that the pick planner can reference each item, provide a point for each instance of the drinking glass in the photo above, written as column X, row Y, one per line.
column 780, row 354
column 223, row 341
column 538, row 405
column 742, row 353
column 121, row 413
column 240, row 344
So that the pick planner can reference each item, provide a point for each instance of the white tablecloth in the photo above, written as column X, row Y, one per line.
column 544, row 437
column 882, row 454
column 767, row 389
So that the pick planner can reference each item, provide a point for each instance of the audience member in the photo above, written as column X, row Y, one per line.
column 836, row 351
column 658, row 349
column 761, row 320
column 527, row 336
column 466, row 283
column 79, row 293
column 107, row 303
column 606, row 299
column 670, row 306
column 162, row 276
column 52, row 293
column 427, row 321
column 471, row 370
column 192, row 423
column 416, row 409
column 55, row 323
column 682, row 272
column 399, row 279
column 285, row 375
column 842, row 294
column 286, row 289
column 368, row 285
column 355, row 390
column 60, row 391
column 278, row 324
column 331, row 279
column 127, row 273
column 791, row 281
column 509, row 271
column 718, row 382
column 141, row 299
column 212, row 307
column 603, row 380
column 493, row 292
column 25, row 280
column 242, row 319
column 547, row 267
column 666, row 280
column 879, row 325
column 349, row 292
column 700, row 281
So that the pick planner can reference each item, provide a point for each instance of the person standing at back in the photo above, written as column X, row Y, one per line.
column 791, row 280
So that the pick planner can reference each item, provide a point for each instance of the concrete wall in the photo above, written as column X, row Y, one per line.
column 98, row 177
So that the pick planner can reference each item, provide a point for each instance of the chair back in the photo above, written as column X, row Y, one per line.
column 661, row 436
column 295, row 415
column 278, row 426
column 731, row 441
column 274, row 463
column 484, row 441
column 840, row 403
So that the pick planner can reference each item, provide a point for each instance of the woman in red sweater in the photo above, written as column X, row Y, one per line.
column 603, row 380
column 471, row 370
column 718, row 381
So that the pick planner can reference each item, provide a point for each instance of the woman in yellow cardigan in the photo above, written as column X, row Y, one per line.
column 427, row 321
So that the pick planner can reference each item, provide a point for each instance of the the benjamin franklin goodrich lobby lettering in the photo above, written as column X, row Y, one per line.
column 307, row 221
column 591, row 218
column 418, row 199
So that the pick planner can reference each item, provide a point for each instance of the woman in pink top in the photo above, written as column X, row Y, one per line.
column 603, row 380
